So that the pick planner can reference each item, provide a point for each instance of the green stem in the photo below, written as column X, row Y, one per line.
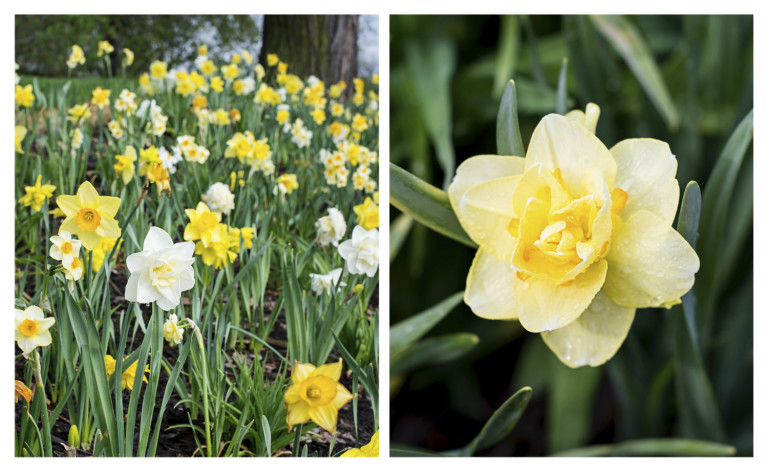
column 200, row 343
column 40, row 387
column 296, row 442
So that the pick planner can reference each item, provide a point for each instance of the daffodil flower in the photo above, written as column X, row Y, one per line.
column 89, row 216
column 35, row 195
column 32, row 328
column 202, row 225
column 369, row 450
column 315, row 394
column 161, row 271
column 64, row 248
column 129, row 374
column 574, row 237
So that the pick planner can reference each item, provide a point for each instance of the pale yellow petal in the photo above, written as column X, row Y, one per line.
column 560, row 143
column 292, row 394
column 90, row 239
column 108, row 205
column 342, row 397
column 490, row 286
column 479, row 169
column 595, row 336
column 649, row 263
column 108, row 228
column 87, row 195
column 325, row 416
column 544, row 306
column 646, row 171
column 298, row 413
column 70, row 225
column 69, row 204
column 332, row 370
column 486, row 212
column 301, row 371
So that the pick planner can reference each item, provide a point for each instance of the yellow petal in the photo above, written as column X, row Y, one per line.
column 108, row 228
column 560, row 143
column 87, row 195
column 292, row 394
column 490, row 287
column 301, row 371
column 646, row 171
column 595, row 336
column 298, row 413
column 69, row 204
column 90, row 239
column 485, row 212
column 342, row 396
column 649, row 263
column 108, row 205
column 332, row 370
column 70, row 225
column 587, row 119
column 325, row 416
column 479, row 169
column 544, row 306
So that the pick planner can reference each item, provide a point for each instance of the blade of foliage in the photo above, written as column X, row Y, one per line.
column 655, row 447
column 436, row 350
column 426, row 204
column 509, row 142
column 570, row 404
column 562, row 91
column 501, row 423
column 506, row 58
column 627, row 41
column 398, row 232
column 407, row 331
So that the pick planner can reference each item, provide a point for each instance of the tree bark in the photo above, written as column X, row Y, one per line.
column 321, row 45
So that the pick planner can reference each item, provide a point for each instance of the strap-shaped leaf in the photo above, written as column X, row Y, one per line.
column 436, row 350
column 654, row 447
column 407, row 331
column 509, row 142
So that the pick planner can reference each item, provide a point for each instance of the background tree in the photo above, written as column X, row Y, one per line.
column 323, row 45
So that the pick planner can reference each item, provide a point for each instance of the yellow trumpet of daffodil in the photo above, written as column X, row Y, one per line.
column 575, row 236
column 89, row 216
column 315, row 394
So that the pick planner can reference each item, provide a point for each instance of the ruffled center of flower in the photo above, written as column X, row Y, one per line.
column 206, row 222
column 88, row 219
column 162, row 275
column 318, row 390
column 28, row 328
column 558, row 236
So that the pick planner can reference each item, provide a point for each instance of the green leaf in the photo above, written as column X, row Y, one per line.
column 570, row 403
column 625, row 38
column 562, row 92
column 437, row 350
column 407, row 331
column 501, row 422
column 509, row 46
column 401, row 450
column 654, row 447
column 688, row 227
column 398, row 231
column 425, row 203
column 509, row 142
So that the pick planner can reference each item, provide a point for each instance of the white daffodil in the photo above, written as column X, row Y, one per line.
column 331, row 228
column 64, row 248
column 32, row 328
column 171, row 331
column 323, row 283
column 362, row 251
column 161, row 271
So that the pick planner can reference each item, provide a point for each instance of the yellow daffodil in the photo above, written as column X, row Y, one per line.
column 247, row 235
column 36, row 195
column 217, row 84
column 202, row 50
column 125, row 164
column 202, row 223
column 129, row 56
column 129, row 374
column 100, row 252
column 100, row 97
column 359, row 123
column 24, row 96
column 21, row 390
column 104, row 48
column 288, row 182
column 79, row 113
column 369, row 450
column 223, row 248
column 32, row 328
column 574, row 237
column 315, row 394
column 158, row 69
column 272, row 59
column 19, row 133
column 240, row 146
column 282, row 67
column 89, row 216
column 367, row 214
column 319, row 116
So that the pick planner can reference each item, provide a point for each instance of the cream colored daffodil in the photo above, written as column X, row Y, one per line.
column 64, row 248
column 315, row 394
column 161, row 271
column 32, row 328
column 575, row 236
column 89, row 216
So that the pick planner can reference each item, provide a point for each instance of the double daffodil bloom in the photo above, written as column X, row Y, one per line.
column 574, row 237
column 89, row 216
column 35, row 195
column 316, row 395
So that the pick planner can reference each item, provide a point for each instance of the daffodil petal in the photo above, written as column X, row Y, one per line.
column 292, row 394
column 485, row 212
column 108, row 227
column 157, row 240
column 646, row 171
column 490, row 287
column 332, row 370
column 108, row 205
column 479, row 169
column 69, row 204
column 649, row 263
column 87, row 195
column 544, row 306
column 561, row 143
column 301, row 371
column 595, row 336
column 325, row 416
column 90, row 239
column 70, row 225
column 298, row 413
column 342, row 396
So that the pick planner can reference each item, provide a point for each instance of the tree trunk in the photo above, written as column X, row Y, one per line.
column 321, row 45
